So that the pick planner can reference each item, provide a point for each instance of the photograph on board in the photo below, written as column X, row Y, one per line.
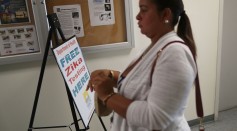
column 13, row 11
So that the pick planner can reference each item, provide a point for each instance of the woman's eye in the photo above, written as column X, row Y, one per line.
column 142, row 11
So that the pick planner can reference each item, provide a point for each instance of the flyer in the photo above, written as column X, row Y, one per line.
column 70, row 18
column 13, row 11
column 75, row 72
column 18, row 40
column 101, row 12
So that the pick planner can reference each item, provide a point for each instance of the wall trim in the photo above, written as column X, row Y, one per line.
column 206, row 119
column 219, row 47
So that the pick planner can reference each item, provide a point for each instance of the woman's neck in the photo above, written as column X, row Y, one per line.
column 155, row 38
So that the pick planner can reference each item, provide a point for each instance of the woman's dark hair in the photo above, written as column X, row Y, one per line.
column 184, row 28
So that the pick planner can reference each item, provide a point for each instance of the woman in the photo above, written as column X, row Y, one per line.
column 153, row 90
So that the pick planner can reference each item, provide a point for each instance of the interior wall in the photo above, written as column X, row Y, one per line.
column 228, row 65
column 19, row 81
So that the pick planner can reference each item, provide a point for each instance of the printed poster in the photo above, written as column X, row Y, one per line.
column 101, row 12
column 75, row 72
column 18, row 40
column 70, row 18
column 13, row 11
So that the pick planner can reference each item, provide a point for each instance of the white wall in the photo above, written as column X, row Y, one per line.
column 228, row 66
column 19, row 81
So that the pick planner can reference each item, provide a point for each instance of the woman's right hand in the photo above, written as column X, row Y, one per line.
column 102, row 83
column 103, row 73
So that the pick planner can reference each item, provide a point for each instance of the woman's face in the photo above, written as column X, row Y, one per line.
column 149, row 20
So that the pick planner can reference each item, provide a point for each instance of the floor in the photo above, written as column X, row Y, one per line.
column 227, row 121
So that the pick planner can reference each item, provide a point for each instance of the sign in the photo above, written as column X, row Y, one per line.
column 75, row 72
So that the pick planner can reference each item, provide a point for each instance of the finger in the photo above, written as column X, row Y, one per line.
column 98, row 78
column 93, row 87
column 88, row 85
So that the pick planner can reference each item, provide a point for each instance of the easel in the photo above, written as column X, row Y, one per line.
column 55, row 26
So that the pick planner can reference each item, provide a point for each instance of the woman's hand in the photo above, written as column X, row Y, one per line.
column 101, row 83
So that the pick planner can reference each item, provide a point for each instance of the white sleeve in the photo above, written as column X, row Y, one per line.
column 172, row 80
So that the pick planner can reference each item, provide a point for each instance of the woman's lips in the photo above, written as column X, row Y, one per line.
column 139, row 25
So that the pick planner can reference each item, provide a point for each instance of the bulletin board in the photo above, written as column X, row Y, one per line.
column 97, row 36
column 18, row 32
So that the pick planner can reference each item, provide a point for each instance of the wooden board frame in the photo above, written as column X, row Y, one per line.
column 95, row 48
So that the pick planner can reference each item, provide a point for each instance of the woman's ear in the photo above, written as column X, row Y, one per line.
column 166, row 15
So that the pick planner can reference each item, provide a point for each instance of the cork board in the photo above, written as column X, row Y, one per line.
column 97, row 35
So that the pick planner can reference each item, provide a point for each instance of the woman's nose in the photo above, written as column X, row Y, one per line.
column 138, row 17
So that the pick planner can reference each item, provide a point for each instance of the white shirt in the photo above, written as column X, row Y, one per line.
column 161, row 105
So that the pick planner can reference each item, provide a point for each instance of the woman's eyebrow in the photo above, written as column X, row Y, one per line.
column 143, row 7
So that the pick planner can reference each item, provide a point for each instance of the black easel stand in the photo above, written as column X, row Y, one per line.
column 55, row 26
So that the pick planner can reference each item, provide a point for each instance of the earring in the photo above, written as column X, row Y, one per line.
column 166, row 21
